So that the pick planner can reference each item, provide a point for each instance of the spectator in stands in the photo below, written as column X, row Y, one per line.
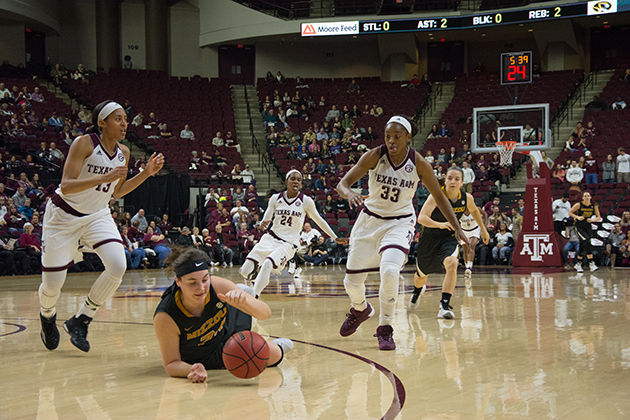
column 36, row 96
column 582, row 142
column 504, row 242
column 279, row 77
column 322, row 135
column 429, row 157
column 137, row 120
column 571, row 143
column 270, row 77
column 230, row 141
column 619, row 103
column 165, row 225
column 591, row 168
column 4, row 92
column 452, row 156
column 354, row 87
column 55, row 153
column 574, row 176
column 443, row 131
column 135, row 254
column 142, row 221
column 496, row 218
column 559, row 172
column 596, row 105
column 573, row 243
column 489, row 206
column 236, row 172
column 55, row 121
column 26, row 210
column 156, row 242
column 433, row 133
column 85, row 115
column 30, row 241
column 318, row 252
column 376, row 110
column 164, row 131
column 224, row 219
column 560, row 208
column 14, row 221
column 187, row 133
column 197, row 239
column 469, row 177
column 222, row 254
column 614, row 243
column 219, row 159
column 590, row 131
column 184, row 239
column 608, row 170
column 333, row 113
column 623, row 166
column 19, row 198
column 248, row 176
column 441, row 157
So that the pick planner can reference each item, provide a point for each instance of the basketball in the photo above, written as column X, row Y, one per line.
column 245, row 354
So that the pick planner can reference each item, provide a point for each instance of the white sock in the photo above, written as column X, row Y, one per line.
column 50, row 290
column 247, row 268
column 355, row 288
column 469, row 264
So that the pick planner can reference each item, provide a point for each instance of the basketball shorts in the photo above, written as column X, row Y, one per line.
column 237, row 320
column 277, row 250
column 475, row 233
column 62, row 232
column 433, row 249
column 371, row 235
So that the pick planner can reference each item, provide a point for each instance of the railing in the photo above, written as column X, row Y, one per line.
column 293, row 10
column 263, row 159
column 428, row 106
column 564, row 115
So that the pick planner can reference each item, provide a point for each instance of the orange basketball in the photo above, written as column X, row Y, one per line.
column 245, row 354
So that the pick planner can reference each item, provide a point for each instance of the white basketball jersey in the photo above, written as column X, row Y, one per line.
column 467, row 222
column 391, row 188
column 98, row 163
column 288, row 215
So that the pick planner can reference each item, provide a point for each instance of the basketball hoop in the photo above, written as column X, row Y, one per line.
column 506, row 151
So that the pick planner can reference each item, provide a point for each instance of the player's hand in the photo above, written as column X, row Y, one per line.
column 485, row 236
column 343, row 241
column 580, row 218
column 446, row 225
column 235, row 297
column 354, row 199
column 155, row 163
column 198, row 373
column 461, row 237
column 265, row 224
column 114, row 174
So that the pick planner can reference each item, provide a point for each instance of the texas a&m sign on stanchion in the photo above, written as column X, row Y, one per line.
column 536, row 245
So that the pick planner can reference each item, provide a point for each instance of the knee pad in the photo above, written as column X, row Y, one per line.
column 390, row 274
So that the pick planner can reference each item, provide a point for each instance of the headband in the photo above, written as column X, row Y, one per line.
column 402, row 121
column 290, row 172
column 190, row 266
column 108, row 109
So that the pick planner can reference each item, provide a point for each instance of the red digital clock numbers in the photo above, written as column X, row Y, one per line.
column 516, row 68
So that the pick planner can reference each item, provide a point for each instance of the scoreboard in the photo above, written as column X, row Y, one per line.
column 533, row 14
column 516, row 68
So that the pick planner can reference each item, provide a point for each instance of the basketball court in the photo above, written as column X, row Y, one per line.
column 531, row 345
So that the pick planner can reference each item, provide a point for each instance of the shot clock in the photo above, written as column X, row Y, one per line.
column 516, row 68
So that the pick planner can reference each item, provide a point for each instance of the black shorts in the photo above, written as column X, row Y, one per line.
column 585, row 232
column 237, row 320
column 433, row 248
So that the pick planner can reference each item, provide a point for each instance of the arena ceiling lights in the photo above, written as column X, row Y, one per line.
column 563, row 11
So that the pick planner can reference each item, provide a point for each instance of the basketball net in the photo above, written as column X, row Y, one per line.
column 506, row 151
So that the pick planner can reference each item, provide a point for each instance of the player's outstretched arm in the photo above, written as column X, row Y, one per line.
column 125, row 186
column 425, row 171
column 366, row 162
column 167, row 334
column 312, row 212
column 424, row 218
column 233, row 295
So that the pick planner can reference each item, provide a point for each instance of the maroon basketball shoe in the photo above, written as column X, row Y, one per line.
column 385, row 335
column 354, row 319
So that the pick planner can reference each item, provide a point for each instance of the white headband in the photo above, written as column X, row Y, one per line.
column 402, row 121
column 108, row 109
column 290, row 172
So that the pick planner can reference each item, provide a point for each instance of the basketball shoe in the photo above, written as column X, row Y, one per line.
column 50, row 333
column 468, row 273
column 78, row 329
column 592, row 266
column 578, row 267
column 414, row 300
column 385, row 335
column 354, row 318
column 445, row 312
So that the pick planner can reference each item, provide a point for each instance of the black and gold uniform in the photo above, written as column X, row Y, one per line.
column 435, row 245
column 201, row 339
column 583, row 227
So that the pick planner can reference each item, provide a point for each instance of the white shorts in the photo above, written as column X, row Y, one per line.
column 277, row 251
column 475, row 233
column 62, row 232
column 371, row 235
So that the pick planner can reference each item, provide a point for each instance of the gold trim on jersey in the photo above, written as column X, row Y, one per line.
column 180, row 305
